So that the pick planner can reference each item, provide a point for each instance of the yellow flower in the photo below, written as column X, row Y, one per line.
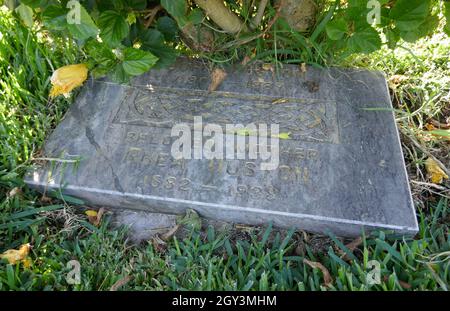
column 91, row 213
column 14, row 255
column 436, row 174
column 66, row 78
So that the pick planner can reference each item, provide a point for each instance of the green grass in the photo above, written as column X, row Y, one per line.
column 202, row 260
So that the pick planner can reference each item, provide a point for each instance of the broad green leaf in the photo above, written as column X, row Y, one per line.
column 119, row 74
column 113, row 27
column 336, row 29
column 447, row 16
column 153, row 41
column 26, row 14
column 137, row 4
column 364, row 41
column 168, row 27
column 55, row 17
column 35, row 3
column 84, row 28
column 409, row 14
column 392, row 37
column 196, row 16
column 177, row 9
column 423, row 30
column 137, row 62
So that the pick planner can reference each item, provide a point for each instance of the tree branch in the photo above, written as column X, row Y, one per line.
column 222, row 16
column 259, row 14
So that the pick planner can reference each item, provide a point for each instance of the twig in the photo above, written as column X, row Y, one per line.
column 259, row 14
column 151, row 15
column 247, row 40
column 426, row 184
column 424, row 150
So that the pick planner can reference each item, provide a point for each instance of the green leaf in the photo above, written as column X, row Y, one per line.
column 139, row 5
column 409, row 14
column 447, row 16
column 119, row 75
column 177, row 9
column 196, row 16
column 113, row 27
column 444, row 133
column 336, row 29
column 168, row 27
column 35, row 3
column 137, row 62
column 153, row 41
column 364, row 41
column 392, row 37
column 26, row 14
column 55, row 18
column 86, row 27
column 426, row 28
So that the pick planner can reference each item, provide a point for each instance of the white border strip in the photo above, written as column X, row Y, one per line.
column 229, row 207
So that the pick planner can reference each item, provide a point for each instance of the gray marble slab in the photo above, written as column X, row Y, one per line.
column 341, row 168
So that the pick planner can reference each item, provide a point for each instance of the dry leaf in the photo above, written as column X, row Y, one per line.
column 246, row 60
column 14, row 255
column 16, row 191
column 158, row 244
column 326, row 274
column 396, row 80
column 94, row 217
column 404, row 284
column 268, row 67
column 121, row 283
column 217, row 77
column 354, row 244
column 166, row 236
column 351, row 247
column 436, row 174
column 66, row 78
column 45, row 199
column 303, row 67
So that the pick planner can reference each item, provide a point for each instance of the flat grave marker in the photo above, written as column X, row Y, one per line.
column 340, row 165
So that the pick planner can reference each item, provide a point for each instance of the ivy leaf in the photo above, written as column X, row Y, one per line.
column 409, row 14
column 176, row 8
column 85, row 29
column 336, row 29
column 153, row 41
column 365, row 40
column 136, row 62
column 113, row 27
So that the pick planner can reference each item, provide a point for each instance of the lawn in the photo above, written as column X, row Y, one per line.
column 242, row 258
